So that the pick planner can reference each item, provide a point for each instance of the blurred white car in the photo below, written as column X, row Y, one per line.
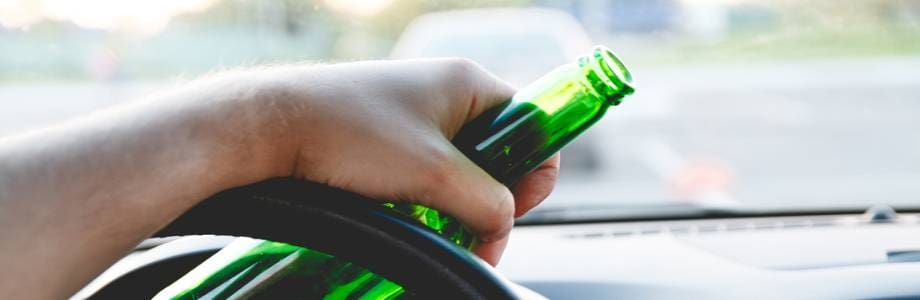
column 517, row 44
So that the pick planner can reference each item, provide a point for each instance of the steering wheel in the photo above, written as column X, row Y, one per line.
column 330, row 220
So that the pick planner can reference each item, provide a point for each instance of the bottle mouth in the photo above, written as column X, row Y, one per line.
column 615, row 74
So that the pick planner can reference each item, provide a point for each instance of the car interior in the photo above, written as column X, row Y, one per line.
column 770, row 151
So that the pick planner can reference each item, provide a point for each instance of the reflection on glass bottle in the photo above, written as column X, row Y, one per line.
column 507, row 141
column 243, row 269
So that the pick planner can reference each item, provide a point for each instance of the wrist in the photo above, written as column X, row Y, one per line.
column 246, row 127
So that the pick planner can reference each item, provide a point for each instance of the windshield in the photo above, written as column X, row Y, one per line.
column 740, row 104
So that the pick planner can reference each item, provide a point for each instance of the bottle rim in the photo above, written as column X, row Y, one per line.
column 613, row 72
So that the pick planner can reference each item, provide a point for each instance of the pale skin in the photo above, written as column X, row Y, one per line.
column 76, row 197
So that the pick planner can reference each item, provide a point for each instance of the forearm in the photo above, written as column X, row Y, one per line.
column 75, row 198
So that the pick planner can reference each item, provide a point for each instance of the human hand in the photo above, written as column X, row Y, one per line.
column 383, row 129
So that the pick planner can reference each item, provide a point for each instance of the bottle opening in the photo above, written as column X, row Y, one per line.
column 616, row 72
column 614, row 67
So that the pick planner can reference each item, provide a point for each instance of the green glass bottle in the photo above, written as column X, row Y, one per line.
column 507, row 141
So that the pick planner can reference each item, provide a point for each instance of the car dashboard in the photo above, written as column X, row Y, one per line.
column 800, row 257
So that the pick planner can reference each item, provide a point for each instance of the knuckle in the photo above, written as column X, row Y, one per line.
column 504, row 209
column 502, row 215
column 461, row 71
column 462, row 65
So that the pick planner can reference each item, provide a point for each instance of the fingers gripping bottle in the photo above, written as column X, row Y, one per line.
column 507, row 141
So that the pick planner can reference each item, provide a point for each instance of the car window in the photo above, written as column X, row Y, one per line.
column 740, row 104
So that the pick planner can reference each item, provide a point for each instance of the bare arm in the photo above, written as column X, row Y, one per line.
column 75, row 198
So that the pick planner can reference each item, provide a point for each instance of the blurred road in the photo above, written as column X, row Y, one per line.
column 790, row 135
column 775, row 135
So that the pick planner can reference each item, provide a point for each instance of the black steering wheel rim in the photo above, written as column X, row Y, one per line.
column 349, row 226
